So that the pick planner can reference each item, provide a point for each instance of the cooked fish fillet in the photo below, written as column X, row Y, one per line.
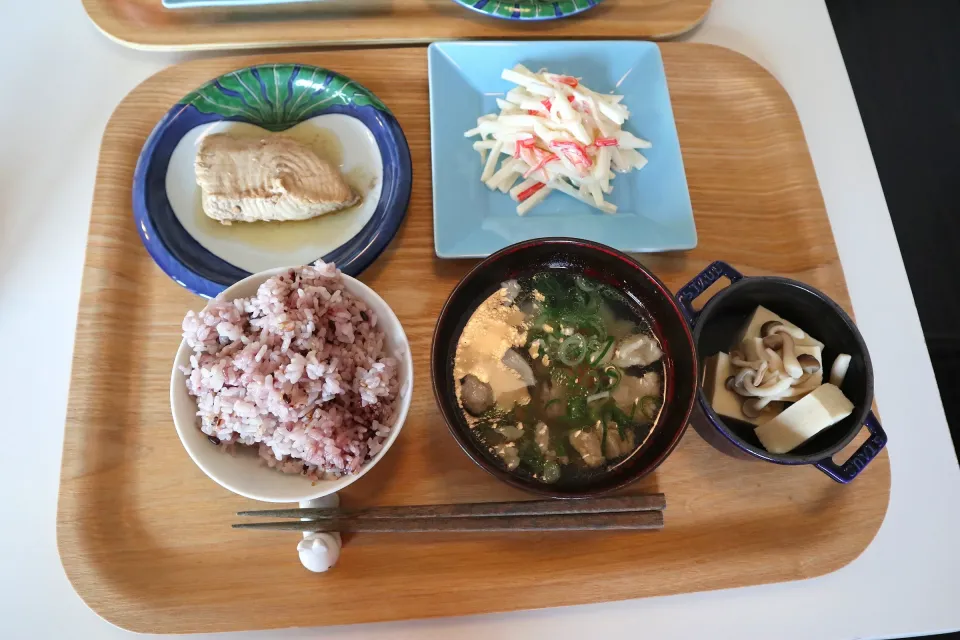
column 270, row 178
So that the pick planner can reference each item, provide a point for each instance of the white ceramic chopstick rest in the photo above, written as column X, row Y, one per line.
column 319, row 551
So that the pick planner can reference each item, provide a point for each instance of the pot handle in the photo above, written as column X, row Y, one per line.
column 858, row 461
column 692, row 290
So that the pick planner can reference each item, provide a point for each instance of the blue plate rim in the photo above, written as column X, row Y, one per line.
column 471, row 5
column 363, row 248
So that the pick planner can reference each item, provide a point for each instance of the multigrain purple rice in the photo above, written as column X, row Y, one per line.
column 298, row 371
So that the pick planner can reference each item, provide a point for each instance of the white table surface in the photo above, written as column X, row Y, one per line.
column 64, row 79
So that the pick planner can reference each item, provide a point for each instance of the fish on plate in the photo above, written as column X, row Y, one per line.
column 274, row 178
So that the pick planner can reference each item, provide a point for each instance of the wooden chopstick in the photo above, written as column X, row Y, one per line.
column 618, row 504
column 627, row 520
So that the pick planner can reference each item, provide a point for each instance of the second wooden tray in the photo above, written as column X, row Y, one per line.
column 144, row 536
column 146, row 24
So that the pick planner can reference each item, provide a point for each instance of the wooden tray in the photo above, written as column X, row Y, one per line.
column 144, row 536
column 146, row 24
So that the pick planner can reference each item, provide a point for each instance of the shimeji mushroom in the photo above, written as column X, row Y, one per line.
column 764, row 395
column 767, row 366
column 808, row 363
column 753, row 407
column 776, row 362
column 772, row 389
column 782, row 340
column 745, row 384
column 760, row 372
column 757, row 398
column 736, row 359
column 731, row 383
column 810, row 366
column 775, row 326
column 739, row 379
column 775, row 371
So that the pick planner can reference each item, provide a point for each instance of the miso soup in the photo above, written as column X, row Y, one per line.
column 559, row 376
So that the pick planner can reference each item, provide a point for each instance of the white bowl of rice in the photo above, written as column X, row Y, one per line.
column 292, row 384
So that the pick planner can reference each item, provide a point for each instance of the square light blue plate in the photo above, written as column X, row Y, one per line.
column 470, row 221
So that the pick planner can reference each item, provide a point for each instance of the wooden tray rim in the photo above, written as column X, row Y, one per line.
column 119, row 31
column 267, row 56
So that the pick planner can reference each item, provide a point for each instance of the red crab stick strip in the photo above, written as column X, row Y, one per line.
column 533, row 200
column 527, row 143
column 570, row 81
column 529, row 191
column 545, row 159
column 575, row 151
column 523, row 186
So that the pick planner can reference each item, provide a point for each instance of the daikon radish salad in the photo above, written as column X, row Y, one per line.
column 553, row 133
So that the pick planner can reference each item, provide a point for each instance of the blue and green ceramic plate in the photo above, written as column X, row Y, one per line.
column 529, row 9
column 337, row 117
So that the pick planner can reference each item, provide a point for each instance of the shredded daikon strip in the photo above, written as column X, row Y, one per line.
column 491, row 163
column 560, row 185
column 523, row 186
column 507, row 183
column 524, row 207
column 557, row 135
column 627, row 140
column 506, row 169
column 481, row 148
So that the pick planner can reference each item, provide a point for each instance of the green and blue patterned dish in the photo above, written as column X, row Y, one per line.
column 274, row 97
column 278, row 96
column 529, row 9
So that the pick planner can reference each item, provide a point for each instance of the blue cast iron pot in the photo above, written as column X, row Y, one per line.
column 715, row 327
